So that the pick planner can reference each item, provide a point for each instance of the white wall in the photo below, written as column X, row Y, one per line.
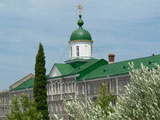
column 85, row 49
column 54, row 72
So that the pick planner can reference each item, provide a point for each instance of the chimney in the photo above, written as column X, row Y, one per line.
column 111, row 58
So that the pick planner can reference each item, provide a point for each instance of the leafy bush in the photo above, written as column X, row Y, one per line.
column 142, row 99
column 23, row 109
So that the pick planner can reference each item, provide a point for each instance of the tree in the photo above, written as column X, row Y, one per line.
column 142, row 101
column 99, row 110
column 78, row 110
column 40, row 82
column 104, row 100
column 23, row 109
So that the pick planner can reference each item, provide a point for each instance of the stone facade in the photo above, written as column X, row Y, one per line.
column 61, row 89
column 6, row 99
column 7, row 96
column 65, row 88
column 4, row 104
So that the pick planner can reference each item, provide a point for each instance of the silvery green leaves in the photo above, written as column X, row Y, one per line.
column 142, row 99
column 80, row 110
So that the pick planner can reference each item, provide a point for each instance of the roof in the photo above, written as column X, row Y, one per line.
column 27, row 84
column 95, row 68
column 74, row 66
column 89, row 67
column 80, row 33
column 64, row 68
column 16, row 84
column 120, row 68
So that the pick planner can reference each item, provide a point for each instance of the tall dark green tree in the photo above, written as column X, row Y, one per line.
column 40, row 82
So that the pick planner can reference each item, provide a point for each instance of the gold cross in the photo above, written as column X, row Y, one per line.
column 80, row 9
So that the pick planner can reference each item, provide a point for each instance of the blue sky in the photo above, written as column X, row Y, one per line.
column 128, row 28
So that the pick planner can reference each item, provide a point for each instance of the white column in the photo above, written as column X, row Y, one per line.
column 75, row 88
column 47, row 90
column 110, row 85
column 88, row 89
column 61, row 88
column 52, row 88
column 117, row 86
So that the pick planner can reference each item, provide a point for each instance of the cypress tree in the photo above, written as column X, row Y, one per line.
column 40, row 82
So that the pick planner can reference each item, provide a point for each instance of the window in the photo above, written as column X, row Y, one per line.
column 69, row 87
column 113, row 85
column 66, row 91
column 56, row 88
column 50, row 89
column 63, row 88
column 77, row 49
column 122, row 82
column 60, row 107
column 71, row 51
column 56, row 106
column 73, row 86
column 53, row 89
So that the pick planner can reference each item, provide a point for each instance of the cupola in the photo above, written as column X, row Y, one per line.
column 80, row 41
column 80, row 33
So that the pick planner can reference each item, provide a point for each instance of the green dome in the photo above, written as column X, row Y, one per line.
column 80, row 33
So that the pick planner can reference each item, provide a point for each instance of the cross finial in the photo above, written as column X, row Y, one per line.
column 80, row 9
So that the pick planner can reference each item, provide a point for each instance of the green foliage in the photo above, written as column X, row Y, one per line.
column 142, row 101
column 40, row 82
column 103, row 100
column 23, row 109
column 78, row 110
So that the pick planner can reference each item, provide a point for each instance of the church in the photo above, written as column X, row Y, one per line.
column 79, row 77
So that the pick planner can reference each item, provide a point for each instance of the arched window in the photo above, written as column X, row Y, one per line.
column 59, row 88
column 53, row 88
column 50, row 89
column 77, row 50
column 63, row 88
column 73, row 86
column 56, row 106
column 56, row 88
column 66, row 90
